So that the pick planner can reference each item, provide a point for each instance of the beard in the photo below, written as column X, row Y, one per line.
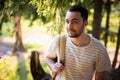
column 75, row 33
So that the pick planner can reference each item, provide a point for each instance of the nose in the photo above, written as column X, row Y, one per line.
column 69, row 25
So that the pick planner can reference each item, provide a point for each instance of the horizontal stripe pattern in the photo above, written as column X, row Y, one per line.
column 80, row 62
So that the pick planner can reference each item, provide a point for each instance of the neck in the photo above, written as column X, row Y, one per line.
column 82, row 40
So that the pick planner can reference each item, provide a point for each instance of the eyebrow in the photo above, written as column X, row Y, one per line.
column 73, row 19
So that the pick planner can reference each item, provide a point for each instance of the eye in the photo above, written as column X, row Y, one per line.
column 67, row 21
column 75, row 21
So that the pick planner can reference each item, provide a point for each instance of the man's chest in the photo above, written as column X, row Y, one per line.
column 79, row 59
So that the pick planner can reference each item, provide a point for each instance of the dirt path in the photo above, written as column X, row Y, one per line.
column 4, row 49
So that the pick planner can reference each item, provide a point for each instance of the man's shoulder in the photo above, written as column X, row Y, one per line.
column 57, row 38
column 98, row 46
column 97, row 42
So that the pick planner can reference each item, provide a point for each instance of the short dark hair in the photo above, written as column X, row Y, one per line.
column 82, row 10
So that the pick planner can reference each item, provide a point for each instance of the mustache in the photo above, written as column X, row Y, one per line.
column 72, row 30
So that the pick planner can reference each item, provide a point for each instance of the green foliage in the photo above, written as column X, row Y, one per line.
column 8, row 31
column 50, row 13
column 34, row 46
column 46, row 10
column 54, row 11
column 11, row 8
column 15, row 68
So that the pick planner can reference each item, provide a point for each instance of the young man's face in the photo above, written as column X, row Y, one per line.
column 74, row 24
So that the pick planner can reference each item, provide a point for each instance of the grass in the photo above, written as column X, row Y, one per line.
column 10, row 68
column 15, row 68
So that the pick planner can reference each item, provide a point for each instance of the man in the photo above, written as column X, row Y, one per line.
column 84, row 54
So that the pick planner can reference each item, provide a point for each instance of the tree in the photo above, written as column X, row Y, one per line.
column 117, row 4
column 3, row 14
column 18, row 46
column 19, row 9
column 108, row 10
column 117, row 48
column 97, row 18
column 14, row 9
column 57, row 10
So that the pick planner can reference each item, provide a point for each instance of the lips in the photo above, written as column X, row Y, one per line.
column 71, row 30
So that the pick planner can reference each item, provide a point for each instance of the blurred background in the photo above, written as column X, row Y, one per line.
column 27, row 25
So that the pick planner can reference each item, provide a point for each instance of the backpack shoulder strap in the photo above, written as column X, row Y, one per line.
column 60, row 52
column 62, row 48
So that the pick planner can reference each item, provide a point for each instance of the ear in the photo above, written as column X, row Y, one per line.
column 85, row 23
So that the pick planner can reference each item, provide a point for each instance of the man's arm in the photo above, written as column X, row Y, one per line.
column 54, row 66
column 50, row 62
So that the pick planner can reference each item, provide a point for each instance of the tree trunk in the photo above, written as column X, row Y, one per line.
column 0, row 28
column 18, row 45
column 117, row 48
column 108, row 9
column 97, row 18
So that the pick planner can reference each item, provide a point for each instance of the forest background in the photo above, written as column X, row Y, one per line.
column 27, row 25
